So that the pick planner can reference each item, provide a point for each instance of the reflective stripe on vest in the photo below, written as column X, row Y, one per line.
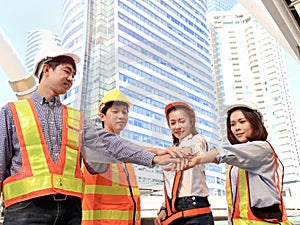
column 107, row 197
column 39, row 175
column 239, row 210
column 172, row 213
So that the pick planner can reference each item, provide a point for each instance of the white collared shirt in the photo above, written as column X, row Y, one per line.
column 193, row 182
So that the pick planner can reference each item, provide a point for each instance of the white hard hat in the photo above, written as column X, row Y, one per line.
column 244, row 103
column 48, row 53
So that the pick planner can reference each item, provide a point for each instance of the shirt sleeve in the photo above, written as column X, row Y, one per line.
column 256, row 156
column 199, row 148
column 106, row 147
column 200, row 145
column 6, row 147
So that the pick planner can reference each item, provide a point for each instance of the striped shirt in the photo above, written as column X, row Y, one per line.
column 98, row 145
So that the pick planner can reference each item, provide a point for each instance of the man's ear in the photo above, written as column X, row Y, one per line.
column 46, row 69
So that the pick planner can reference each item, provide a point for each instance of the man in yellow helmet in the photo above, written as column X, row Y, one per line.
column 112, row 197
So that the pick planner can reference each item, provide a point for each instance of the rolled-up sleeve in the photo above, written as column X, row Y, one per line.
column 105, row 147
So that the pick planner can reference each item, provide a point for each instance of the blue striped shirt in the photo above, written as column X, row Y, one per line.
column 96, row 141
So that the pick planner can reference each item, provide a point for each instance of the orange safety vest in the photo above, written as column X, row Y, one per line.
column 172, row 213
column 112, row 197
column 239, row 210
column 39, row 175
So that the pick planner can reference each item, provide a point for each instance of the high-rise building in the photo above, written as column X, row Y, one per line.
column 281, row 18
column 75, row 35
column 249, row 63
column 155, row 52
column 36, row 40
column 220, row 5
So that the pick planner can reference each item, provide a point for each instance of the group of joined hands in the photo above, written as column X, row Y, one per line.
column 177, row 158
column 182, row 158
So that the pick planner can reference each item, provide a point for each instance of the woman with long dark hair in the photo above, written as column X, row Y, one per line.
column 254, row 179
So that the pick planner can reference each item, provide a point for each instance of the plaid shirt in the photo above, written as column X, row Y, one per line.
column 96, row 141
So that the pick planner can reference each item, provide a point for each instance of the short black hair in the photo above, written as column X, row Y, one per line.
column 55, row 61
column 107, row 105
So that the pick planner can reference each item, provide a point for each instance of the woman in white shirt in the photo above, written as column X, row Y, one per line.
column 186, row 191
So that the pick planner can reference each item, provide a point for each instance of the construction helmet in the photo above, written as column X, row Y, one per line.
column 244, row 103
column 176, row 104
column 113, row 96
column 47, row 54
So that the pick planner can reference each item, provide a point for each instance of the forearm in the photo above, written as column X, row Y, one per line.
column 158, row 151
column 208, row 157
column 149, row 149
column 113, row 147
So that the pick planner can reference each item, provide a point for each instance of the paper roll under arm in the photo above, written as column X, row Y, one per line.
column 21, row 82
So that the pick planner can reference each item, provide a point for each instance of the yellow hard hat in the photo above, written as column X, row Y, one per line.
column 113, row 96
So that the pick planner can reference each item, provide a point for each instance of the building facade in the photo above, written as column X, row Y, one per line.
column 36, row 40
column 249, row 63
column 220, row 5
column 155, row 52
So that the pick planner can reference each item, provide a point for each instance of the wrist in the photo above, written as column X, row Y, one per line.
column 155, row 160
column 162, row 209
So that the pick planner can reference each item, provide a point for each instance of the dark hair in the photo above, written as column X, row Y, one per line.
column 259, row 131
column 191, row 116
column 107, row 105
column 54, row 62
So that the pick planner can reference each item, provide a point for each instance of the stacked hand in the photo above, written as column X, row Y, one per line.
column 175, row 157
column 182, row 158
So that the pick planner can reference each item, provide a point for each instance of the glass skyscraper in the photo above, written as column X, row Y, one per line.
column 249, row 63
column 220, row 5
column 155, row 52
column 36, row 40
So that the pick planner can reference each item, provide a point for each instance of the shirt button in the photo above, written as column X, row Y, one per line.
column 193, row 198
column 53, row 138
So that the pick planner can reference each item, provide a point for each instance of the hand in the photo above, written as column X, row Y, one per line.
column 180, row 152
column 207, row 157
column 175, row 152
column 183, row 153
column 165, row 159
column 193, row 162
column 183, row 164
column 175, row 155
column 169, row 150
column 161, row 216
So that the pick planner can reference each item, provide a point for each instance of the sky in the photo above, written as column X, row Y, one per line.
column 17, row 17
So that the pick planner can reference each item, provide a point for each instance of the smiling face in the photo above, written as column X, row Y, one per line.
column 57, row 79
column 180, row 123
column 240, row 126
column 62, row 78
column 116, row 118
